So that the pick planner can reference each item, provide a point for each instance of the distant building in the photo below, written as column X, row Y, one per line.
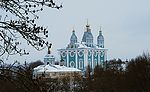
column 81, row 54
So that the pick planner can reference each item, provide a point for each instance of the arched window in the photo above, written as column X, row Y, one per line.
column 80, row 64
column 89, row 53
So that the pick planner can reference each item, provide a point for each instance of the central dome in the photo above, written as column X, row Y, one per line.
column 88, row 37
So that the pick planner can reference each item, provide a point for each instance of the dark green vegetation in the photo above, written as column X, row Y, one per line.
column 135, row 77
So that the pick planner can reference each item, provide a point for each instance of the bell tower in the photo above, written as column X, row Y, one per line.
column 100, row 39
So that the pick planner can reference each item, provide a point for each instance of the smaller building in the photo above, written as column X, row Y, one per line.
column 49, row 58
column 53, row 71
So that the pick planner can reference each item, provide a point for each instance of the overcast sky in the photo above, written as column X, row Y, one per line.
column 125, row 26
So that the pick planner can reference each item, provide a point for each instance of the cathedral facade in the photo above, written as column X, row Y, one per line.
column 81, row 54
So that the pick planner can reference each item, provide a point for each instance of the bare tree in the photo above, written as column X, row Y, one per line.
column 23, row 25
column 18, row 21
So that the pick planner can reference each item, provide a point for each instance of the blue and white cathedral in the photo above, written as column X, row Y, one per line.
column 81, row 54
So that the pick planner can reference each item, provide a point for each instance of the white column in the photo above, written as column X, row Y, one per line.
column 98, row 57
column 76, row 55
column 92, row 59
column 67, row 58
column 101, row 63
column 85, row 61
column 105, row 55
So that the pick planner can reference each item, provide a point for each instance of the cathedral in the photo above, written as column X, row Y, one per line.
column 81, row 54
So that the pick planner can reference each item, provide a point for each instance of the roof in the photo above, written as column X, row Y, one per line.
column 73, row 36
column 100, row 36
column 83, row 46
column 87, row 35
column 54, row 68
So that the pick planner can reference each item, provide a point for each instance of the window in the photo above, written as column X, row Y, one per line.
column 102, row 53
column 80, row 64
column 80, row 53
column 95, row 53
column 72, row 53
column 72, row 64
column 89, row 53
column 63, row 54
